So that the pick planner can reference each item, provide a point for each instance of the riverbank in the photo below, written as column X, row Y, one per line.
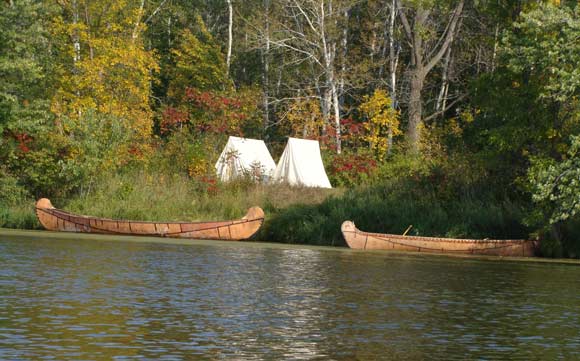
column 306, row 215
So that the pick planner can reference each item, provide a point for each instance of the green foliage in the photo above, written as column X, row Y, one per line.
column 23, row 56
column 146, row 194
column 11, row 192
column 19, row 216
column 557, row 185
column 16, row 204
column 96, row 147
column 394, row 205
column 531, row 105
column 199, row 63
column 185, row 154
column 544, row 45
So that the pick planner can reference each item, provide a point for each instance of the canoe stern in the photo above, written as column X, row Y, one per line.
column 43, row 208
column 254, row 213
column 253, row 221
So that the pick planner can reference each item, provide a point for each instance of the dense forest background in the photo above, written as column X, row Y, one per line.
column 461, row 117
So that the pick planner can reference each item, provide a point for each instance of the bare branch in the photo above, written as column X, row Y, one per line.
column 448, row 38
column 155, row 12
column 436, row 114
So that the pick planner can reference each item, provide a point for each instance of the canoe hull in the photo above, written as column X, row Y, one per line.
column 357, row 239
column 54, row 219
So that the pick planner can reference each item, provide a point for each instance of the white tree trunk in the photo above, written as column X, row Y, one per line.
column 230, row 34
column 336, row 105
column 76, row 38
column 495, row 45
column 266, row 68
column 138, row 21
column 393, row 63
column 441, row 98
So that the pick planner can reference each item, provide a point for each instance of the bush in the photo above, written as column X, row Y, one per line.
column 459, row 208
column 11, row 192
column 16, row 204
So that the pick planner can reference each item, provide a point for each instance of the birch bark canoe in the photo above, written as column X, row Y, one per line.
column 54, row 219
column 358, row 239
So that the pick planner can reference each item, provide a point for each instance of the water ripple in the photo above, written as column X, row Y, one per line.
column 123, row 301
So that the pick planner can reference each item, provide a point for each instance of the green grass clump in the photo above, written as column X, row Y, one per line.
column 20, row 216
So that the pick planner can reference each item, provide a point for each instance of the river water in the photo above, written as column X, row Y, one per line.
column 69, row 299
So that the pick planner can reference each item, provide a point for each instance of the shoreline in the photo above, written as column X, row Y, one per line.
column 68, row 236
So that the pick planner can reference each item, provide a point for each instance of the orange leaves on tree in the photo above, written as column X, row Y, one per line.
column 172, row 119
column 221, row 112
column 23, row 140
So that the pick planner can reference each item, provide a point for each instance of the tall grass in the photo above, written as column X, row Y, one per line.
column 391, row 208
column 294, row 215
column 300, row 215
column 20, row 215
column 146, row 196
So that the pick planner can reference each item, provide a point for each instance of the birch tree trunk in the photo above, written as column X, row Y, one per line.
column 265, row 55
column 341, row 81
column 442, row 97
column 393, row 63
column 75, row 36
column 329, row 53
column 311, row 32
column 230, row 34
column 138, row 21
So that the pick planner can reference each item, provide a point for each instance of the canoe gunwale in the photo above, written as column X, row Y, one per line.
column 437, row 239
column 60, row 211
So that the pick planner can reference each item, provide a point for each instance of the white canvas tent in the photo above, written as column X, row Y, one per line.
column 301, row 164
column 243, row 156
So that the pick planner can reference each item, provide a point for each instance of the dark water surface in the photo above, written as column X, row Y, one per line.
column 92, row 300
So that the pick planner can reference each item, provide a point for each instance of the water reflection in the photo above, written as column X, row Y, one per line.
column 96, row 300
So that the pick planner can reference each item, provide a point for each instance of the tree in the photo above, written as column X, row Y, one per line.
column 305, row 119
column 428, row 42
column 24, row 64
column 529, row 106
column 383, row 120
column 103, row 64
column 199, row 63
column 555, row 185
column 311, row 31
column 25, row 86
